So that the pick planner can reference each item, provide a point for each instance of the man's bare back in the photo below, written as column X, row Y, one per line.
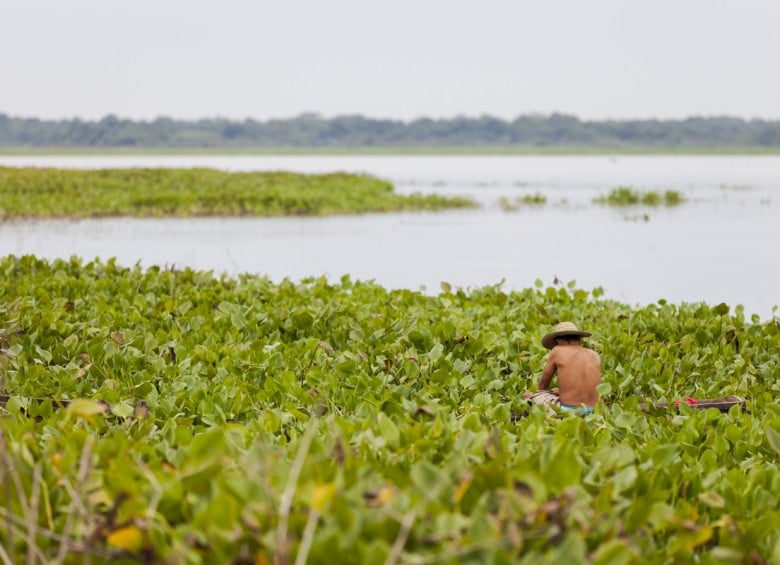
column 578, row 370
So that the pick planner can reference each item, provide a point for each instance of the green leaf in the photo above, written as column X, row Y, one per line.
column 712, row 499
column 207, row 446
column 435, row 353
column 425, row 477
column 87, row 409
column 625, row 479
column 773, row 437
column 665, row 455
column 721, row 309
column 614, row 552
column 388, row 430
column 122, row 409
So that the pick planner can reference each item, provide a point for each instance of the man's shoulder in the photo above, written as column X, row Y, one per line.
column 593, row 353
column 560, row 351
column 564, row 351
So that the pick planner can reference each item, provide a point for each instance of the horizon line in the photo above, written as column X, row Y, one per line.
column 313, row 115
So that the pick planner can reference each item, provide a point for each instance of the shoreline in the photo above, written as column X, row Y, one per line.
column 392, row 151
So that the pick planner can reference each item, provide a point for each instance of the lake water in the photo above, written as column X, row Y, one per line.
column 720, row 246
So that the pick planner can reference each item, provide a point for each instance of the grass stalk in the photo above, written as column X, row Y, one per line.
column 308, row 537
column 285, row 504
column 86, row 453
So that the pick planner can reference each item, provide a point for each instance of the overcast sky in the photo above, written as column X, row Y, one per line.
column 389, row 58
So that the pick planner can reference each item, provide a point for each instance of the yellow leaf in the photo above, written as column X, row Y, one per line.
column 82, row 408
column 56, row 460
column 462, row 487
column 322, row 495
column 128, row 537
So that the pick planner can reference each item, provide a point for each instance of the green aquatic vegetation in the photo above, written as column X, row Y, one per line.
column 627, row 196
column 55, row 193
column 514, row 204
column 673, row 197
column 338, row 420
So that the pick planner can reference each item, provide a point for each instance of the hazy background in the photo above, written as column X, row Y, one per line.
column 403, row 59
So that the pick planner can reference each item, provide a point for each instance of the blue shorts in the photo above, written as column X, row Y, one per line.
column 580, row 410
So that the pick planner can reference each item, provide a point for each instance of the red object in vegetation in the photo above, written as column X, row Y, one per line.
column 689, row 400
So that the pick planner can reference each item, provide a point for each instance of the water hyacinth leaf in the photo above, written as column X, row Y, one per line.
column 614, row 457
column 664, row 455
column 86, row 409
column 625, row 479
column 727, row 554
column 302, row 320
column 564, row 468
column 388, row 429
column 435, row 353
column 712, row 499
column 421, row 407
column 773, row 437
column 721, row 309
column 571, row 550
column 425, row 477
column 207, row 445
column 614, row 552
column 122, row 410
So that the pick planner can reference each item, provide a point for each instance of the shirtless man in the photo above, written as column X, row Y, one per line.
column 578, row 370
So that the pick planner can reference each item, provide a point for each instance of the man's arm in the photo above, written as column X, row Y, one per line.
column 548, row 373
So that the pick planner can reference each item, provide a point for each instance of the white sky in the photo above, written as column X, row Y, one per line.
column 389, row 58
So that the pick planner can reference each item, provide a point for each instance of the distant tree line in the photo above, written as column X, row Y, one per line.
column 312, row 130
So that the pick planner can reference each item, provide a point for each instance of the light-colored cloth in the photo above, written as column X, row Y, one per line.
column 549, row 398
column 545, row 397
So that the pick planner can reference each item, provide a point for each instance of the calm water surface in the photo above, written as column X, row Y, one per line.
column 721, row 245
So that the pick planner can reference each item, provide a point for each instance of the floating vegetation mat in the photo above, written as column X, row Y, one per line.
column 62, row 193
column 253, row 421
column 626, row 196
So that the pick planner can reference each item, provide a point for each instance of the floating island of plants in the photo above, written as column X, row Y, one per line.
column 62, row 193
column 627, row 196
column 253, row 421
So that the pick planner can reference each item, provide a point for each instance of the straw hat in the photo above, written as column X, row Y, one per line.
column 561, row 330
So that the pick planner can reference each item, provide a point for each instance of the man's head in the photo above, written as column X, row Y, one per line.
column 568, row 340
column 564, row 331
